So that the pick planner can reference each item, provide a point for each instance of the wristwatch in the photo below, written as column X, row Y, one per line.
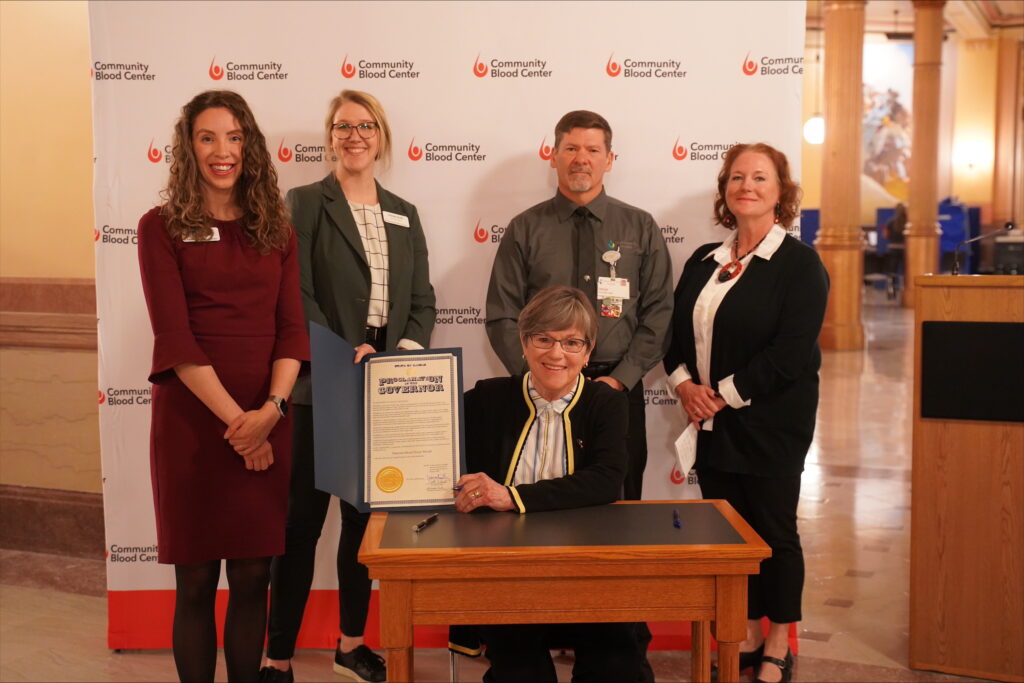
column 280, row 403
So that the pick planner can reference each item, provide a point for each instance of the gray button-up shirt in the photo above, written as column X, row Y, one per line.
column 537, row 252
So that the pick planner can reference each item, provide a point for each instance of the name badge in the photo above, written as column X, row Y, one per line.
column 215, row 237
column 396, row 219
column 612, row 288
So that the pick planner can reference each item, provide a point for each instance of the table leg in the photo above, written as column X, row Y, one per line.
column 396, row 629
column 700, row 652
column 728, row 662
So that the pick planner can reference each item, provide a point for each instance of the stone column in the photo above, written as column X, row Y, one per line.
column 839, row 238
column 922, row 233
column 1008, row 177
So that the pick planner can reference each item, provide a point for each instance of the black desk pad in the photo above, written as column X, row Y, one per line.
column 649, row 524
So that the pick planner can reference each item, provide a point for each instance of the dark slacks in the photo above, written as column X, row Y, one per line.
column 521, row 652
column 292, row 573
column 768, row 504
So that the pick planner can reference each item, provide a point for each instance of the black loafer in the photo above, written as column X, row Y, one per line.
column 362, row 665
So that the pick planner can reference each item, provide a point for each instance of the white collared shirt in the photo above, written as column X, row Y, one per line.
column 706, row 307
column 544, row 453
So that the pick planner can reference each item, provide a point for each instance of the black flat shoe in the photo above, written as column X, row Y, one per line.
column 748, row 660
column 785, row 666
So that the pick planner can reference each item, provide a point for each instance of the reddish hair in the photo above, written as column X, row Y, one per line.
column 788, row 207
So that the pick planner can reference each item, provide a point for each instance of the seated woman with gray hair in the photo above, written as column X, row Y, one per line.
column 522, row 461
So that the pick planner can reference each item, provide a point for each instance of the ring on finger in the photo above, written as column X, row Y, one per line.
column 476, row 494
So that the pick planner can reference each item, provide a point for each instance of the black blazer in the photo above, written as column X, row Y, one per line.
column 766, row 335
column 334, row 275
column 499, row 409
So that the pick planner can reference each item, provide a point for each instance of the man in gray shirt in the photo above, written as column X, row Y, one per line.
column 612, row 251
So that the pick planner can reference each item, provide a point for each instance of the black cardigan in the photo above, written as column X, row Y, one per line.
column 497, row 413
column 766, row 335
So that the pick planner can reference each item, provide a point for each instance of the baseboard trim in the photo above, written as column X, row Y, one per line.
column 52, row 521
column 53, row 313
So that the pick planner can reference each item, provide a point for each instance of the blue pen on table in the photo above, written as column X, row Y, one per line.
column 421, row 525
column 676, row 522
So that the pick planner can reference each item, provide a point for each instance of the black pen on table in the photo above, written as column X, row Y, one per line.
column 423, row 524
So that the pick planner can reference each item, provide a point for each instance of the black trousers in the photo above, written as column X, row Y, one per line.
column 768, row 504
column 521, row 652
column 636, row 439
column 292, row 573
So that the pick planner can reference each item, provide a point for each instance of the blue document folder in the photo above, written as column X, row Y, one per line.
column 338, row 416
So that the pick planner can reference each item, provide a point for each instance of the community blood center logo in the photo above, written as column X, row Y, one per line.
column 773, row 66
column 679, row 152
column 99, row 393
column 676, row 476
column 612, row 68
column 283, row 153
column 749, row 67
column 479, row 68
column 479, row 234
column 545, row 151
column 415, row 153
column 216, row 73
column 154, row 154
column 347, row 70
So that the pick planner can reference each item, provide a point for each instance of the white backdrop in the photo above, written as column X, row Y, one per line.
column 679, row 82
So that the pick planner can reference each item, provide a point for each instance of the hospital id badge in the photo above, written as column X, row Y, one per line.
column 611, row 307
column 613, row 288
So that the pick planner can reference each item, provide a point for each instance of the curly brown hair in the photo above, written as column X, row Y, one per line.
column 788, row 207
column 256, row 193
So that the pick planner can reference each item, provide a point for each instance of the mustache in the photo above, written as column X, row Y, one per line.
column 579, row 169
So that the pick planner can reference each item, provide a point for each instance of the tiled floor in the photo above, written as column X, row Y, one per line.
column 854, row 522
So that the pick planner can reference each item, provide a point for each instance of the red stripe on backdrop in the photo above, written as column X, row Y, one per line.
column 141, row 620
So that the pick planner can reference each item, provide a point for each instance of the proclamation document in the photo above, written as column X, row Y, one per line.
column 412, row 429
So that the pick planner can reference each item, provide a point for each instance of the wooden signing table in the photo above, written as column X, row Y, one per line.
column 622, row 562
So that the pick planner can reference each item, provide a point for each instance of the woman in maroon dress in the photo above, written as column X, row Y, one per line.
column 220, row 275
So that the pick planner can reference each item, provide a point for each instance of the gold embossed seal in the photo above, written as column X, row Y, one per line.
column 390, row 479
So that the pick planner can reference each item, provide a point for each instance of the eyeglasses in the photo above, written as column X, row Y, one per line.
column 571, row 345
column 343, row 131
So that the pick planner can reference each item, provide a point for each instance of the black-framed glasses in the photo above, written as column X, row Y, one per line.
column 570, row 345
column 343, row 131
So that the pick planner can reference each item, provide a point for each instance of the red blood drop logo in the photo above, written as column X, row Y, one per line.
column 679, row 152
column 749, row 67
column 92, row 75
column 545, row 151
column 677, row 477
column 415, row 153
column 216, row 73
column 95, row 234
column 283, row 153
column 100, row 397
column 479, row 234
column 613, row 69
column 154, row 154
column 479, row 70
column 347, row 70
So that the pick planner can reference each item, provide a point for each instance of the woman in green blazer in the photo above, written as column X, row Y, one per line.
column 364, row 275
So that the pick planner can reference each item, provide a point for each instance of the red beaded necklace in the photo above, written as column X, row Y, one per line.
column 733, row 268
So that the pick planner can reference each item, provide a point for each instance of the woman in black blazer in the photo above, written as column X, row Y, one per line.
column 548, row 440
column 364, row 275
column 744, row 363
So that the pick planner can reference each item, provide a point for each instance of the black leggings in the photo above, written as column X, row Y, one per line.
column 768, row 504
column 195, row 628
column 292, row 573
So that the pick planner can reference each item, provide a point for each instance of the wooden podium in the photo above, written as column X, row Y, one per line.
column 967, row 527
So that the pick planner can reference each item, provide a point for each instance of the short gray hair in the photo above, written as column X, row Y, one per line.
column 559, row 308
